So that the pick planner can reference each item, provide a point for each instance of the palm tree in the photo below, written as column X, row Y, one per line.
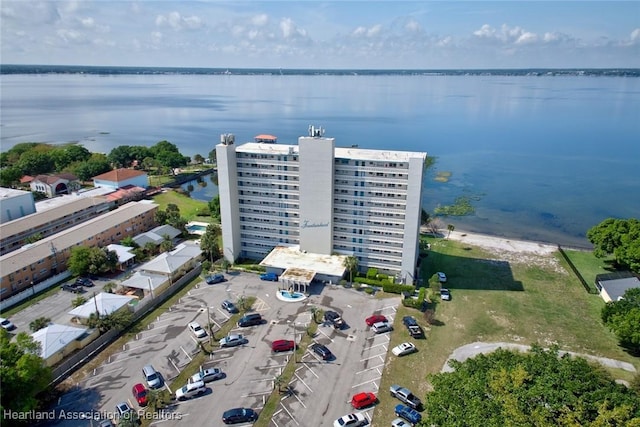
column 39, row 323
column 351, row 264
column 78, row 301
column 450, row 227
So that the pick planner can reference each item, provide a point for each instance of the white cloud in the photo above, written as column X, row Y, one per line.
column 485, row 31
column 290, row 30
column 260, row 20
column 412, row 26
column 177, row 22
column 527, row 37
column 635, row 35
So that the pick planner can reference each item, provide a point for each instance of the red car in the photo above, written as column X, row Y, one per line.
column 282, row 345
column 375, row 319
column 140, row 394
column 362, row 400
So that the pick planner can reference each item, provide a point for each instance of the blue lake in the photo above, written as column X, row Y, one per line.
column 543, row 158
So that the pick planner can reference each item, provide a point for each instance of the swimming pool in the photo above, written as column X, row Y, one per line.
column 196, row 228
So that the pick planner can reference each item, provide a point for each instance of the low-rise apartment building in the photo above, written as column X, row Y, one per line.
column 44, row 258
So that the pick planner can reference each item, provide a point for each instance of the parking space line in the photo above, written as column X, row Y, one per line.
column 101, row 374
column 287, row 411
column 369, row 369
column 372, row 357
column 303, row 383
column 187, row 354
column 310, row 370
column 366, row 382
column 320, row 330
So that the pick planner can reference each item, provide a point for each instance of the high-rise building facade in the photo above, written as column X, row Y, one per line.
column 324, row 199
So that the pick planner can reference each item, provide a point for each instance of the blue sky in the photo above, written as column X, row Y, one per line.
column 314, row 34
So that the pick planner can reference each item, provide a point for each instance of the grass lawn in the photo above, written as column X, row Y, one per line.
column 189, row 208
column 524, row 299
column 589, row 265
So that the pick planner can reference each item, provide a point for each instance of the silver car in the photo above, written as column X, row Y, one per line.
column 233, row 340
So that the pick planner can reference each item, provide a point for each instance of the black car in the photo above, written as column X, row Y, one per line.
column 72, row 287
column 84, row 281
column 322, row 351
column 250, row 319
column 239, row 415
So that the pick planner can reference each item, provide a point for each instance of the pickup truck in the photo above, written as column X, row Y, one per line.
column 405, row 396
column 412, row 326
column 411, row 415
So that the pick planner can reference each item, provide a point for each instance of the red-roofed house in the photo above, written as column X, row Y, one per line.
column 119, row 178
column 54, row 185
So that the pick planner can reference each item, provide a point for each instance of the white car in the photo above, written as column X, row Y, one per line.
column 207, row 375
column 351, row 420
column 197, row 330
column 399, row 422
column 190, row 390
column 7, row 324
column 445, row 295
column 404, row 349
column 442, row 277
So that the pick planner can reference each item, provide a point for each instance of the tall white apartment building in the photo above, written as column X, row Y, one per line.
column 324, row 199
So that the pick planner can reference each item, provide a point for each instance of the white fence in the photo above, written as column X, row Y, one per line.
column 27, row 293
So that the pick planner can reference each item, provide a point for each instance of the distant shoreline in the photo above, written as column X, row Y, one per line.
column 128, row 70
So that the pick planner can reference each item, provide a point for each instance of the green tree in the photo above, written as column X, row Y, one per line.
column 351, row 264
column 33, row 238
column 167, row 244
column 538, row 388
column 39, row 323
column 129, row 242
column 23, row 373
column 79, row 260
column 450, row 228
column 623, row 318
column 78, row 301
column 209, row 242
column 96, row 165
column 121, row 156
column 620, row 238
column 35, row 162
column 10, row 176
column 214, row 207
column 198, row 159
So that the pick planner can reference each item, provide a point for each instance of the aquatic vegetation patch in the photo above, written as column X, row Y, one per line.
column 443, row 176
column 461, row 207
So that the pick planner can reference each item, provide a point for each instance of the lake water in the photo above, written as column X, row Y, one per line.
column 543, row 158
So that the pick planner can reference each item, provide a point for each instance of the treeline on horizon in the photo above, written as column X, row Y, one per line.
column 115, row 70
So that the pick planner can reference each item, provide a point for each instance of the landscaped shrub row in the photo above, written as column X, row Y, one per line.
column 398, row 288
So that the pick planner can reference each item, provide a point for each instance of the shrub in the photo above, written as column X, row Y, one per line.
column 372, row 273
column 343, row 283
column 397, row 288
column 370, row 290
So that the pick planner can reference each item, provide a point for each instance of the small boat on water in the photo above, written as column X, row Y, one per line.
column 266, row 139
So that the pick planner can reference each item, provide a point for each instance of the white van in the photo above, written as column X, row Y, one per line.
column 151, row 376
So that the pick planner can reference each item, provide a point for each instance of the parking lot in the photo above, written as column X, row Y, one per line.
column 320, row 390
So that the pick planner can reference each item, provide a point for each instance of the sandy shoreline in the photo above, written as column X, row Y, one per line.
column 502, row 244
